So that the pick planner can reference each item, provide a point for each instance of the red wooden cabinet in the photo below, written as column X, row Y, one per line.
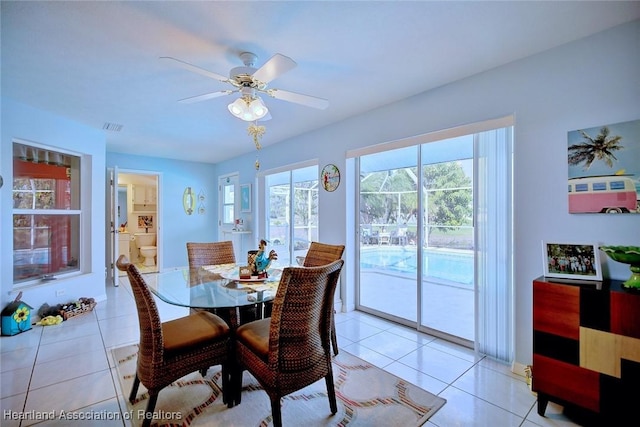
column 586, row 346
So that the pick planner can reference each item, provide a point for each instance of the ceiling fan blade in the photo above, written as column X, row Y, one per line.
column 277, row 65
column 298, row 98
column 206, row 96
column 195, row 69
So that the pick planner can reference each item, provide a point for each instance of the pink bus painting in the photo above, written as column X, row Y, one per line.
column 602, row 194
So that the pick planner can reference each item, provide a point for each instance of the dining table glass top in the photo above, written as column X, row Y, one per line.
column 212, row 287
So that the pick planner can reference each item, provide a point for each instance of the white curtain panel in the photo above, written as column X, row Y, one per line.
column 494, row 243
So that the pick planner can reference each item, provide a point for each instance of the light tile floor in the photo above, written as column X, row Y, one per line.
column 69, row 367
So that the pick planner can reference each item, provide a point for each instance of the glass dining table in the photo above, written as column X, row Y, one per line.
column 215, row 288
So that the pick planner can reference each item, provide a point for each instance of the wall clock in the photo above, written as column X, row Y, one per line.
column 330, row 177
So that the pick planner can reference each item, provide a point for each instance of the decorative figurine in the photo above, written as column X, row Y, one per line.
column 259, row 261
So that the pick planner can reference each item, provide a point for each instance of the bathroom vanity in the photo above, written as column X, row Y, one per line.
column 124, row 239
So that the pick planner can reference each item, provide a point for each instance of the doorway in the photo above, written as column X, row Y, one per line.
column 135, row 219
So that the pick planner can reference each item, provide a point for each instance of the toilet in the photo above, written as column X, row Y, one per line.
column 146, row 243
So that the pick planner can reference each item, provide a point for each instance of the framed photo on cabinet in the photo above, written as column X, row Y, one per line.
column 571, row 261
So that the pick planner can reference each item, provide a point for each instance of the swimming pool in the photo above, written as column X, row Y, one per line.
column 455, row 266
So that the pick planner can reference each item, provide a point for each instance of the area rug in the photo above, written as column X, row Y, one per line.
column 366, row 395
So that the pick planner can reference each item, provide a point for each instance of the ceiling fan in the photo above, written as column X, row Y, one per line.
column 249, row 81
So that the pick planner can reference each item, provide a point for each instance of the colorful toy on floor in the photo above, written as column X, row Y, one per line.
column 16, row 317
column 50, row 320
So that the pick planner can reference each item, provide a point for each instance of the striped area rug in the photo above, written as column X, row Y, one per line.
column 367, row 396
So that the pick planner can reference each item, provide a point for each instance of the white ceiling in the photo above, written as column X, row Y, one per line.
column 98, row 62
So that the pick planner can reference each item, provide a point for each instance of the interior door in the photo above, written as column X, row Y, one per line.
column 113, row 225
column 229, row 203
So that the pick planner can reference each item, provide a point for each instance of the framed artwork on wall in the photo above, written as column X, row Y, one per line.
column 571, row 261
column 330, row 177
column 604, row 169
column 245, row 198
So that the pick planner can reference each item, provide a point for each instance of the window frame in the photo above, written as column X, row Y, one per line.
column 24, row 151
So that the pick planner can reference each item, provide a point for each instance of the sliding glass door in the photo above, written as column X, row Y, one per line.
column 393, row 236
column 447, row 280
column 389, row 234
column 435, row 234
column 292, row 212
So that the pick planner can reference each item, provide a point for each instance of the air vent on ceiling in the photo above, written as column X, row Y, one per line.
column 112, row 127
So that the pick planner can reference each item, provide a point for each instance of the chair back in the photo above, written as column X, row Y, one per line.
column 150, row 353
column 322, row 254
column 301, row 319
column 210, row 253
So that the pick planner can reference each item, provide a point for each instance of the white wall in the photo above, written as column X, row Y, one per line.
column 591, row 82
column 32, row 125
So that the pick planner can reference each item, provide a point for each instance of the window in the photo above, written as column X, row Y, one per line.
column 617, row 185
column 228, row 206
column 46, row 213
column 228, row 202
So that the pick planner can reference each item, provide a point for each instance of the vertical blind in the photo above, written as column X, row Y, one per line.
column 494, row 243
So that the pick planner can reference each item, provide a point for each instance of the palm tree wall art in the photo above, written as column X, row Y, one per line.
column 604, row 169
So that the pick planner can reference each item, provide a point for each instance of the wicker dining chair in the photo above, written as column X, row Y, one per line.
column 322, row 254
column 170, row 350
column 215, row 253
column 210, row 253
column 319, row 254
column 291, row 349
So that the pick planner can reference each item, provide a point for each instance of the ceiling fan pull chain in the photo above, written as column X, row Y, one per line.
column 256, row 132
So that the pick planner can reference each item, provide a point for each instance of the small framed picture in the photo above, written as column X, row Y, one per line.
column 245, row 198
column 576, row 261
column 330, row 177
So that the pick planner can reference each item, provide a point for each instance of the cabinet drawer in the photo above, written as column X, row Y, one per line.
column 556, row 309
column 625, row 314
column 567, row 382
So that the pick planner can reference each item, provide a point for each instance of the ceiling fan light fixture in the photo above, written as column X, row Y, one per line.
column 248, row 110
column 237, row 107
column 258, row 108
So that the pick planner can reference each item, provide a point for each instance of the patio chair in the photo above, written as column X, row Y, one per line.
column 400, row 235
column 365, row 235
column 384, row 238
column 170, row 350
column 291, row 350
